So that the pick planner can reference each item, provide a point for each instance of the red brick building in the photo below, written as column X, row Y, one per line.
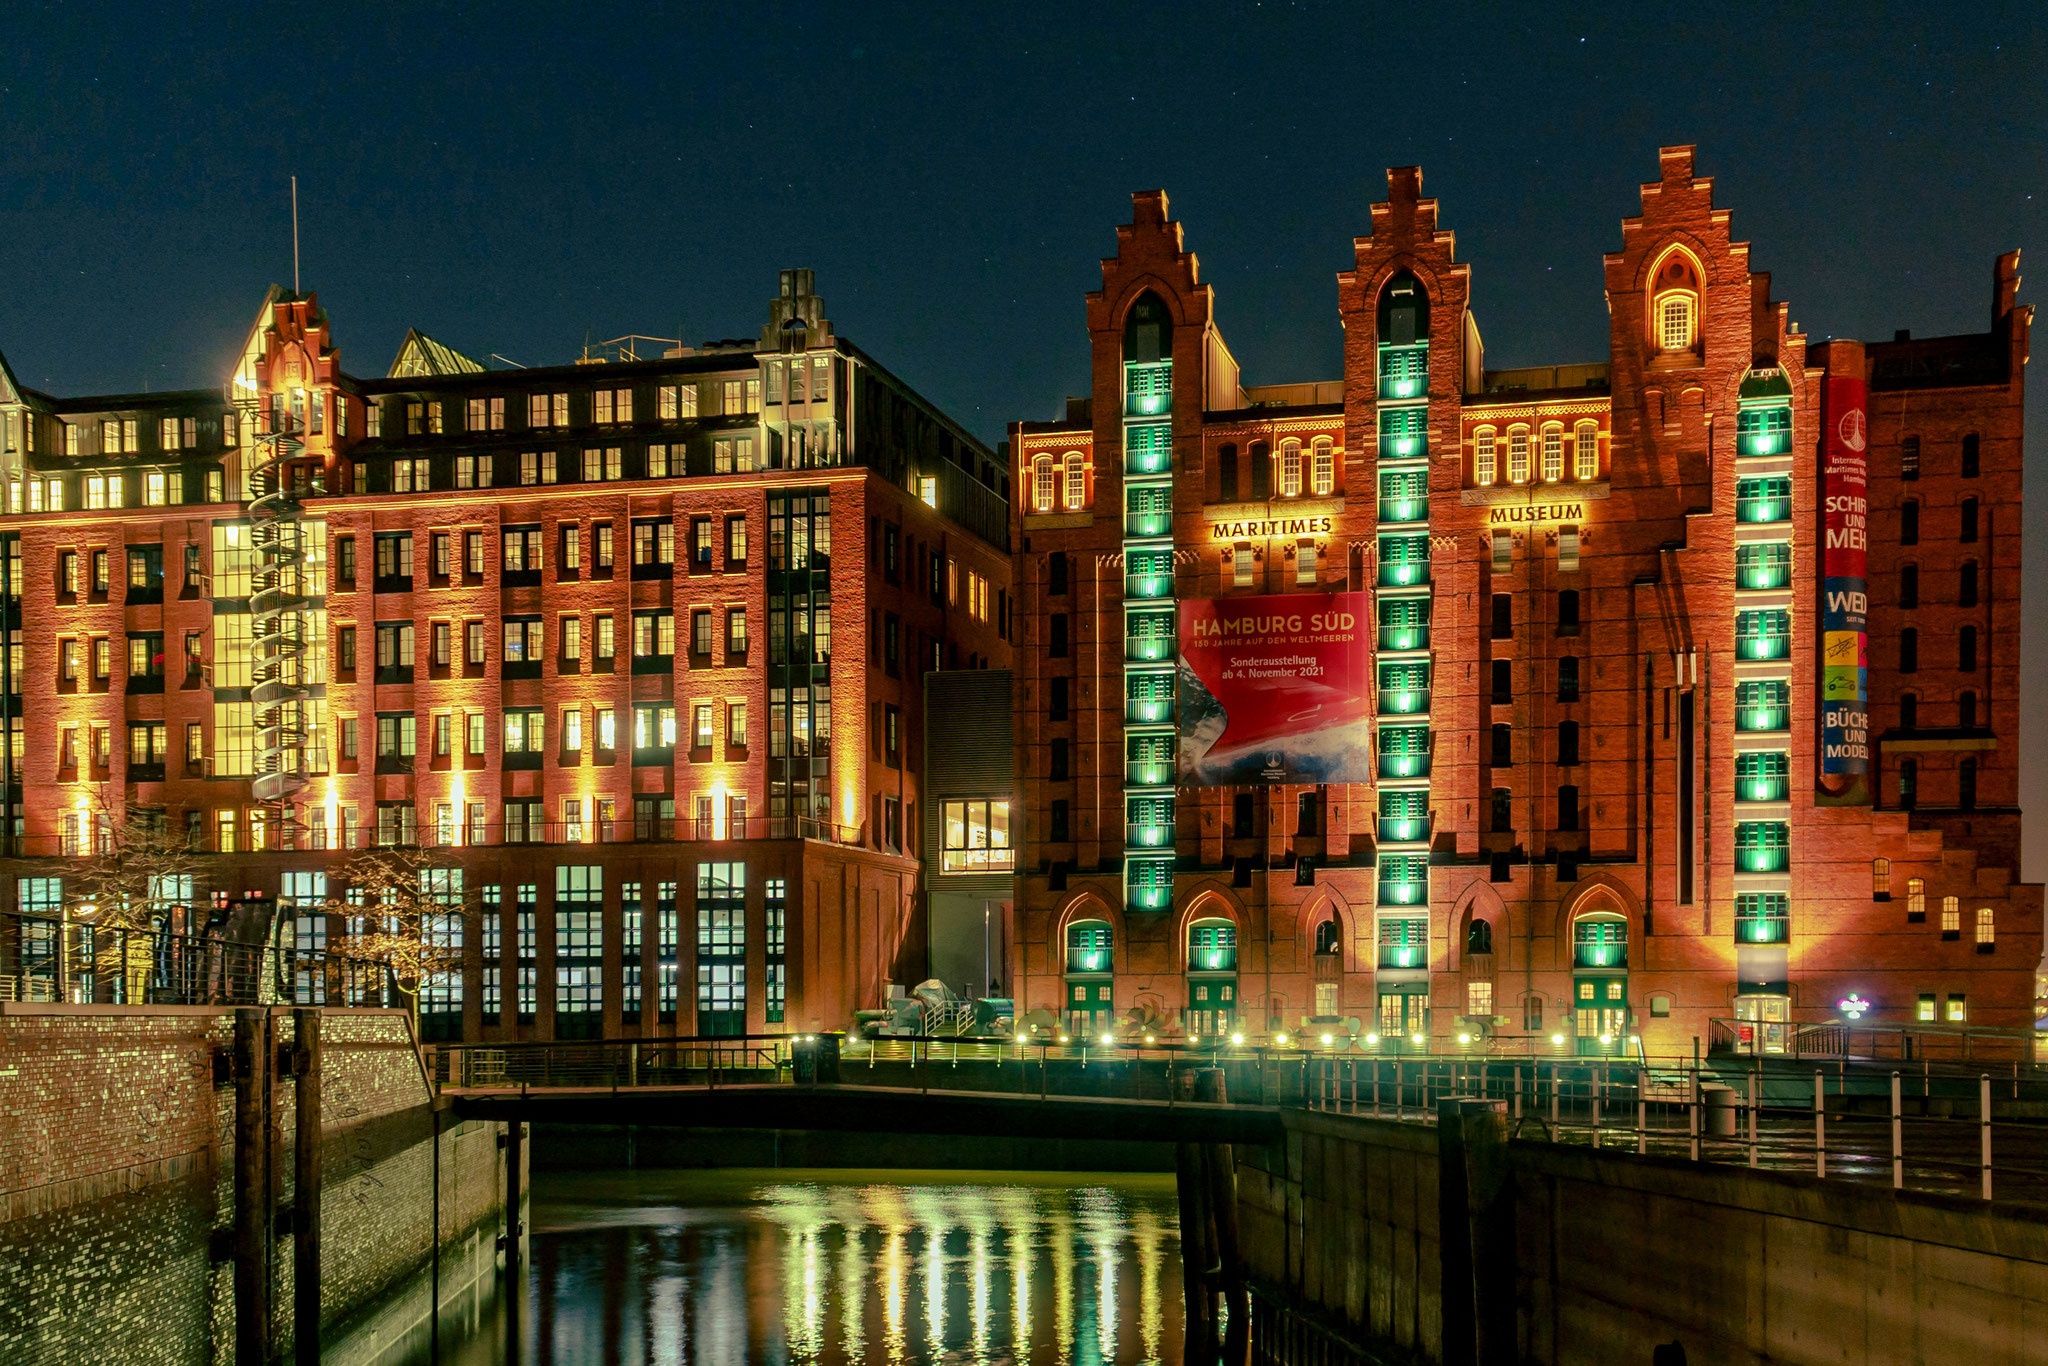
column 639, row 643
column 1627, row 777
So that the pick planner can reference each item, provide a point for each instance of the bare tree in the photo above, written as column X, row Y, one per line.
column 134, row 869
column 402, row 917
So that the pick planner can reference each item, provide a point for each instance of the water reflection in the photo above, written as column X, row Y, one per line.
column 907, row 1269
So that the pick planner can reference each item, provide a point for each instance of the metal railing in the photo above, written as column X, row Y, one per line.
column 1841, row 1039
column 76, row 962
column 1936, row 1128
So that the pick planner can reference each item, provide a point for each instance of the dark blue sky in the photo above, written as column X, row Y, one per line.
column 518, row 178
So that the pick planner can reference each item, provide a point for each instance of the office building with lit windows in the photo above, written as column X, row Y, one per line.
column 638, row 642
column 1572, row 708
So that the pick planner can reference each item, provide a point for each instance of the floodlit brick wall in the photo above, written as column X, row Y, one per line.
column 116, row 1179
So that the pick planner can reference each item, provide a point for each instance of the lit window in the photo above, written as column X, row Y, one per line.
column 1305, row 562
column 1479, row 999
column 1290, row 469
column 1077, row 484
column 1042, row 484
column 1553, row 454
column 1241, row 565
column 1925, row 1013
column 1958, row 1010
column 1518, row 455
column 1675, row 304
column 1951, row 916
column 1483, row 472
column 1325, row 471
column 1586, row 452
column 1987, row 931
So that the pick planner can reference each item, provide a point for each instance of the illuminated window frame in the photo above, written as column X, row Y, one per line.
column 1042, row 484
column 1290, row 468
column 1553, row 452
column 1485, row 464
column 1586, row 451
column 1324, row 472
column 1076, row 483
column 1518, row 455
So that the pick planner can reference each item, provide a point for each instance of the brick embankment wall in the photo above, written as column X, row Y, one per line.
column 117, row 1184
column 1613, row 1254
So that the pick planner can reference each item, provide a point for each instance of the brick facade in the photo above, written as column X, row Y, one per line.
column 541, row 589
column 1558, row 812
column 116, row 1158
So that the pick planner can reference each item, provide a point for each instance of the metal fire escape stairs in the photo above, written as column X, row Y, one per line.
column 277, row 608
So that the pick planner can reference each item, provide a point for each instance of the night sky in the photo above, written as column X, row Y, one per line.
column 519, row 179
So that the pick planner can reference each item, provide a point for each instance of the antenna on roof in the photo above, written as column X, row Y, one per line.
column 295, row 234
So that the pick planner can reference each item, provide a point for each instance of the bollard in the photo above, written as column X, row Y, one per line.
column 1898, row 1139
column 1820, row 1124
column 1753, row 1099
column 1984, row 1127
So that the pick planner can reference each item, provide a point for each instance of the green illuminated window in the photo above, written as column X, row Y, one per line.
column 1765, row 704
column 1149, row 822
column 1763, row 776
column 1148, row 387
column 1090, row 948
column 1404, row 433
column 1763, row 918
column 1148, row 760
column 1404, row 880
column 1148, row 883
column 1404, row 495
column 1763, row 500
column 1404, row 751
column 1763, row 634
column 1148, row 448
column 1404, row 623
column 1762, row 847
column 1212, row 946
column 1148, row 510
column 1600, row 943
column 1404, row 815
column 1404, row 942
column 1404, row 561
column 1148, row 636
column 1763, row 431
column 1404, row 689
column 1763, row 564
column 1148, row 574
column 1148, row 697
column 1404, row 371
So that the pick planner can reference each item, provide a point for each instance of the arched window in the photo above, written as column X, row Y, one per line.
column 1909, row 585
column 1042, row 484
column 1148, row 331
column 1966, row 587
column 1909, row 711
column 1909, row 522
column 1329, row 938
column 1261, row 459
column 1909, row 783
column 1966, row 650
column 1951, row 917
column 1483, row 467
column 1586, row 451
column 1290, row 469
column 1966, row 711
column 1403, row 312
column 1091, row 964
column 1567, row 742
column 1518, row 455
column 1969, row 529
column 1880, row 879
column 1553, row 453
column 1971, row 459
column 1226, row 474
column 1966, row 784
column 1916, row 897
column 1479, row 937
column 1987, row 929
column 1324, row 475
column 1077, row 483
column 1675, row 304
column 1909, row 650
column 1212, row 977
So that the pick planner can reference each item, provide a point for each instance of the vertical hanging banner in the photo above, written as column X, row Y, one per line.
column 1845, row 594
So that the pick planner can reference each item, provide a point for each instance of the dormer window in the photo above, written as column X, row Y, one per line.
column 1675, row 304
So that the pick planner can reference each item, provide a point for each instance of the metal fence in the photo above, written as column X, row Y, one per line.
column 77, row 962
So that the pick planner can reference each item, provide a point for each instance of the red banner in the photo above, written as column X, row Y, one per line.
column 1276, row 689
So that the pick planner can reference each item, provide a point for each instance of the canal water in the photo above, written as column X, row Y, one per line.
column 735, row 1268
